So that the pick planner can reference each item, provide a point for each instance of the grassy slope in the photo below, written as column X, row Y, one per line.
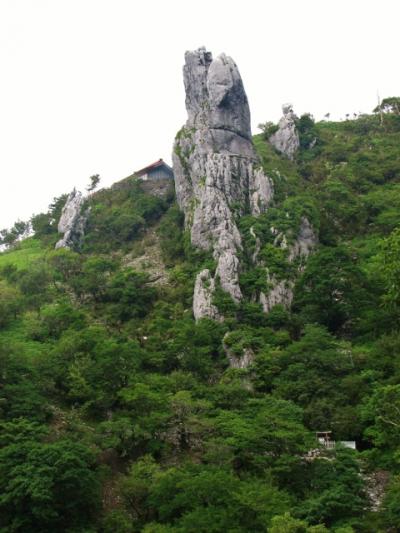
column 25, row 253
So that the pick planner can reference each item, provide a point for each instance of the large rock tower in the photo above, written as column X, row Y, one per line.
column 217, row 175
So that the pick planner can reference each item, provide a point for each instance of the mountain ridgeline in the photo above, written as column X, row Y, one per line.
column 201, row 354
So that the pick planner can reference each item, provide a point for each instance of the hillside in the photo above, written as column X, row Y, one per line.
column 119, row 412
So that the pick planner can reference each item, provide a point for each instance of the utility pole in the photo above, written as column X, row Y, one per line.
column 379, row 107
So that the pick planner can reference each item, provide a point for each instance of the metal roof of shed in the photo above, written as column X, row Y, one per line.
column 154, row 165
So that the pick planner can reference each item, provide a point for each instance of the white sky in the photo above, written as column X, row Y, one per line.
column 95, row 86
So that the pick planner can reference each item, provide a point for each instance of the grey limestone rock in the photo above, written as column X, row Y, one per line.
column 72, row 221
column 281, row 291
column 202, row 298
column 257, row 246
column 305, row 242
column 261, row 192
column 217, row 175
column 286, row 139
column 215, row 96
column 240, row 361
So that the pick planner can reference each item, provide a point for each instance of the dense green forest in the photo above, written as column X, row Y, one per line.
column 119, row 413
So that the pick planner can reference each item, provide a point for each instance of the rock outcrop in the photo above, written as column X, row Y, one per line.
column 286, row 139
column 238, row 360
column 217, row 177
column 305, row 242
column 202, row 297
column 72, row 221
column 281, row 291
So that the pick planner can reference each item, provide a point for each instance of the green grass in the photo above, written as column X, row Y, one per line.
column 271, row 159
column 24, row 254
column 283, row 172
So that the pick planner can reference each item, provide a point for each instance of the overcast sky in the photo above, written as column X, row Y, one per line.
column 95, row 86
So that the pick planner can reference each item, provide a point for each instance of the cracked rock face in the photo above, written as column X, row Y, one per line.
column 305, row 242
column 202, row 298
column 281, row 292
column 286, row 139
column 239, row 361
column 72, row 221
column 217, row 177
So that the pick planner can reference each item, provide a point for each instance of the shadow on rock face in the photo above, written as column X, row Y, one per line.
column 217, row 176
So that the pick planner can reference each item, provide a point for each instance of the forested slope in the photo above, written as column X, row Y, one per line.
column 120, row 413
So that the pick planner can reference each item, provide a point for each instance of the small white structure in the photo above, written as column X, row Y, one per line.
column 348, row 444
column 325, row 438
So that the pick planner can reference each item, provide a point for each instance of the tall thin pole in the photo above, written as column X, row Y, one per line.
column 379, row 107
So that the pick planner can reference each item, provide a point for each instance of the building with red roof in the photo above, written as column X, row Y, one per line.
column 156, row 171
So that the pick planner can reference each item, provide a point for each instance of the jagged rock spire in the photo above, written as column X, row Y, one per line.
column 72, row 221
column 215, row 96
column 286, row 139
column 216, row 170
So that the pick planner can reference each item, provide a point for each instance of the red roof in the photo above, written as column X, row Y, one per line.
column 145, row 170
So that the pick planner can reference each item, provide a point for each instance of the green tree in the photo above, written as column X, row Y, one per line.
column 11, row 236
column 45, row 486
column 20, row 390
column 265, row 432
column 391, row 268
column 382, row 411
column 34, row 285
column 390, row 104
column 315, row 373
column 44, row 225
column 332, row 290
column 58, row 317
column 171, row 235
column 128, row 294
column 337, row 493
column 201, row 498
column 288, row 524
column 390, row 511
column 94, row 277
column 10, row 304
column 94, row 181
column 66, row 265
